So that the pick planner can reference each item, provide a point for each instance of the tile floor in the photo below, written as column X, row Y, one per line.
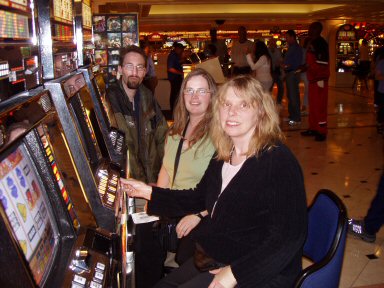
column 349, row 163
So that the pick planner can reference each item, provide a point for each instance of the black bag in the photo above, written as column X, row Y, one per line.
column 204, row 262
column 165, row 231
column 165, row 228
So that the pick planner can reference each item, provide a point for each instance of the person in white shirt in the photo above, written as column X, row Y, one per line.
column 239, row 50
column 263, row 65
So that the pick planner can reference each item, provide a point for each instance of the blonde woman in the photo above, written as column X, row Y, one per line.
column 253, row 192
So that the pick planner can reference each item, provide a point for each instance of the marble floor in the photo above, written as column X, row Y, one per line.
column 349, row 163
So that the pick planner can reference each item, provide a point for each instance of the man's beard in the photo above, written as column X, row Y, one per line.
column 133, row 82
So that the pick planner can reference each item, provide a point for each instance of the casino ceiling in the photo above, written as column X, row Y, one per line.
column 200, row 15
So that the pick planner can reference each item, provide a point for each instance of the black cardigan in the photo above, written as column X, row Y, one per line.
column 260, row 220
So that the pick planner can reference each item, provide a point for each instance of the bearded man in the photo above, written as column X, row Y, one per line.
column 138, row 115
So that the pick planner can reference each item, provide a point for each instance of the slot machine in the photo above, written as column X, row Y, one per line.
column 57, row 43
column 83, row 32
column 76, row 110
column 20, row 69
column 113, row 138
column 44, row 238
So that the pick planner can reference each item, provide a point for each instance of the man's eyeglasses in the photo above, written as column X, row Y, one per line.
column 198, row 91
column 130, row 67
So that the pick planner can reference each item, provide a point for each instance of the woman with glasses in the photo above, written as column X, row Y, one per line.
column 253, row 192
column 187, row 152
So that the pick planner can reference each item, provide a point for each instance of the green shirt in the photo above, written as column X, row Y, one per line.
column 192, row 164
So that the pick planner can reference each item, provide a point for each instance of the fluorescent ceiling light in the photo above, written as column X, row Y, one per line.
column 239, row 9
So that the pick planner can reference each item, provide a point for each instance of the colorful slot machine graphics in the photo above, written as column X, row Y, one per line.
column 26, row 209
column 58, row 177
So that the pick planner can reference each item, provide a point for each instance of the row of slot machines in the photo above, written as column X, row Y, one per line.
column 63, row 222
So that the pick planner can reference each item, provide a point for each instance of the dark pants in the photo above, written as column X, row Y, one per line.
column 279, row 83
column 380, row 108
column 186, row 276
column 149, row 257
column 375, row 216
column 293, row 93
column 175, row 91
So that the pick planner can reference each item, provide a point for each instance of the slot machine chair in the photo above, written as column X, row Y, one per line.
column 325, row 243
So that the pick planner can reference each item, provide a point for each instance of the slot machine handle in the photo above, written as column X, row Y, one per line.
column 80, row 260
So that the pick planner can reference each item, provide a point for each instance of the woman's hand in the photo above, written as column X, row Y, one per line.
column 136, row 189
column 223, row 278
column 186, row 224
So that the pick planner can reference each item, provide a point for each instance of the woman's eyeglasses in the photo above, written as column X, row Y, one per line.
column 198, row 91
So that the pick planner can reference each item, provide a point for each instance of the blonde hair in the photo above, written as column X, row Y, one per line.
column 181, row 114
column 267, row 131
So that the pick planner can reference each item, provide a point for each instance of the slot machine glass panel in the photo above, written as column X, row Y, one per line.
column 82, row 107
column 27, row 211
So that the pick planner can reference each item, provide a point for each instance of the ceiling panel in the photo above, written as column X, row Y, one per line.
column 199, row 15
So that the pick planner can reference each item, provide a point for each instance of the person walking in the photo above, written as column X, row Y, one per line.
column 239, row 50
column 367, row 228
column 262, row 68
column 292, row 62
column 175, row 72
column 317, row 63
column 277, row 61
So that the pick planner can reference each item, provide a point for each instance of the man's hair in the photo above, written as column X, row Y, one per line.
column 181, row 115
column 316, row 28
column 267, row 132
column 131, row 49
column 291, row 33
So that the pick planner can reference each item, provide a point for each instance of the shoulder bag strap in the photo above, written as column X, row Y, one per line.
column 177, row 158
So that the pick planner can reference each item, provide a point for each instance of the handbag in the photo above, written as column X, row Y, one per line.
column 204, row 262
column 165, row 229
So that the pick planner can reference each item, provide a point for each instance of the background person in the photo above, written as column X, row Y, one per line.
column 367, row 228
column 277, row 61
column 175, row 72
column 253, row 192
column 150, row 79
column 292, row 62
column 240, row 48
column 317, row 63
column 262, row 66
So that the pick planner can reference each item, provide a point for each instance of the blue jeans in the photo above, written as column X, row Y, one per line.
column 293, row 93
column 375, row 216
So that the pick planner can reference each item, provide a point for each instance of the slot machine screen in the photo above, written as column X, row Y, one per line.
column 26, row 207
column 81, row 104
column 101, row 89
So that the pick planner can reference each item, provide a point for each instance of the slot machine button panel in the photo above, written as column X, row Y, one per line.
column 100, row 266
column 77, row 279
column 98, row 276
column 94, row 284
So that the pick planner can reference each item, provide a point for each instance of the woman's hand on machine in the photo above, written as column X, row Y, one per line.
column 136, row 189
